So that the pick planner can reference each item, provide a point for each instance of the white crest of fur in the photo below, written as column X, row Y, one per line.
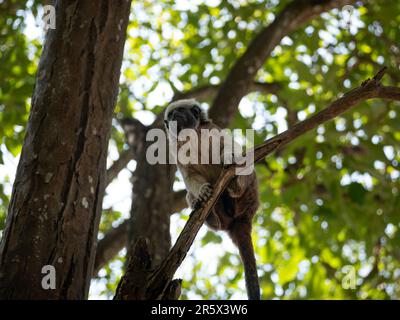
column 183, row 103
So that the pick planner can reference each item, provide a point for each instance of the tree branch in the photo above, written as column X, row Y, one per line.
column 135, row 133
column 108, row 247
column 179, row 201
column 241, row 76
column 209, row 92
column 124, row 157
column 368, row 60
column 116, row 239
column 159, row 279
column 368, row 90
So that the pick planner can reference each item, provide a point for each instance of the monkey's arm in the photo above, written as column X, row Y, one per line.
column 203, row 189
column 231, row 153
column 213, row 220
column 190, row 200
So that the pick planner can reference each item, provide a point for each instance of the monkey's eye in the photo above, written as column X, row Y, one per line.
column 196, row 111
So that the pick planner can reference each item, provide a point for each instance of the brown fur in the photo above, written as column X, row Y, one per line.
column 233, row 212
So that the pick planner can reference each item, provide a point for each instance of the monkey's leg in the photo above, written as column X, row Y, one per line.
column 190, row 200
column 199, row 188
column 238, row 186
column 204, row 192
column 212, row 219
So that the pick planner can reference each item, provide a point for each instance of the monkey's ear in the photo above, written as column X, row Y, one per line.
column 166, row 123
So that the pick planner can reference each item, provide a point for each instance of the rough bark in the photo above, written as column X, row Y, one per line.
column 57, row 195
column 133, row 285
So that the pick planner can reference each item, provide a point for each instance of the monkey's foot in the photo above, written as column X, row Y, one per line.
column 213, row 221
column 196, row 204
column 204, row 194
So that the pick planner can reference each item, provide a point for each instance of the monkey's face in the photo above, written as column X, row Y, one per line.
column 187, row 116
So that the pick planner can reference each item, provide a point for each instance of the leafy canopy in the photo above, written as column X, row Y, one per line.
column 330, row 200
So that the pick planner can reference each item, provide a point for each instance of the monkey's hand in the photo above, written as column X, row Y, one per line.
column 205, row 193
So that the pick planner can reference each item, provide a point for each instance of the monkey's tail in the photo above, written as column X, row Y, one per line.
column 240, row 233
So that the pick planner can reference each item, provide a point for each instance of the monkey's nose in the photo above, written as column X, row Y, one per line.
column 177, row 116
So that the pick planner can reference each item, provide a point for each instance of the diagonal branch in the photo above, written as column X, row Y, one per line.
column 135, row 133
column 369, row 89
column 112, row 172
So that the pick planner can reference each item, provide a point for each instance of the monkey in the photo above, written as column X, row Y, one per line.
column 237, row 205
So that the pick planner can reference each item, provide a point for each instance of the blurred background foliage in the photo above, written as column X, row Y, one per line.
column 328, row 225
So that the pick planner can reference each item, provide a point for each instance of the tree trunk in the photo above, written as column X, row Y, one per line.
column 57, row 195
column 151, row 206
